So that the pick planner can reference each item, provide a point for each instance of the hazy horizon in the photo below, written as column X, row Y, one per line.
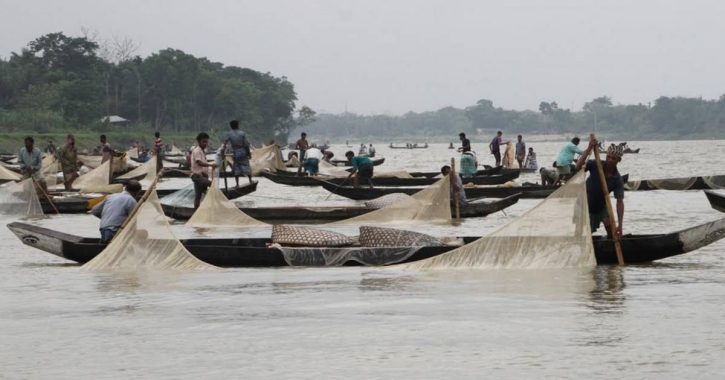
column 378, row 57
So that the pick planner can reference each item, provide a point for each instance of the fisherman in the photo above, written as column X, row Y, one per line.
column 520, row 151
column 495, row 147
column 549, row 177
column 159, row 151
column 469, row 166
column 302, row 145
column 240, row 151
column 362, row 166
column 31, row 163
column 531, row 160
column 312, row 161
column 115, row 209
column 371, row 151
column 68, row 156
column 450, row 146
column 456, row 187
column 363, row 150
column 50, row 149
column 598, row 212
column 200, row 168
column 566, row 157
column 106, row 150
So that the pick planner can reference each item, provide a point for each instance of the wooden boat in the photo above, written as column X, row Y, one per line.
column 484, row 172
column 376, row 162
column 626, row 151
column 312, row 215
column 253, row 252
column 698, row 183
column 363, row 193
column 511, row 170
column 230, row 193
column 717, row 200
column 496, row 179
column 412, row 146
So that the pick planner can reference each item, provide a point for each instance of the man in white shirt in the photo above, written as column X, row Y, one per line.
column 200, row 168
column 312, row 161
column 115, row 209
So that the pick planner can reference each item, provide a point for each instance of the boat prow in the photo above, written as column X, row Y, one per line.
column 717, row 200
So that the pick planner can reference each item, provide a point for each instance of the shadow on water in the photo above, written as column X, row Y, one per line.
column 607, row 295
column 604, row 307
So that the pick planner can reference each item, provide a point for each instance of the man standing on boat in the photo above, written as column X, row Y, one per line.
column 495, row 147
column 31, row 162
column 115, row 209
column 371, row 151
column 200, row 168
column 598, row 212
column 106, row 150
column 362, row 166
column 465, row 143
column 159, row 151
column 311, row 162
column 520, row 151
column 302, row 145
column 457, row 189
column 68, row 156
column 566, row 157
column 240, row 152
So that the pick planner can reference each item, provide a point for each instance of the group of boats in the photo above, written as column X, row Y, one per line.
column 488, row 191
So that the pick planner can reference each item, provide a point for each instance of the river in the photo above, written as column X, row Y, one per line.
column 661, row 321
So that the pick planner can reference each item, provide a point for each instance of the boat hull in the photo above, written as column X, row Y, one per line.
column 364, row 193
column 496, row 179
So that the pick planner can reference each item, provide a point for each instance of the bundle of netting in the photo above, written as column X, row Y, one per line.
column 327, row 169
column 174, row 151
column 216, row 210
column 554, row 234
column 145, row 173
column 267, row 158
column 430, row 205
column 98, row 181
column 20, row 199
column 132, row 153
column 120, row 164
column 146, row 242
column 8, row 175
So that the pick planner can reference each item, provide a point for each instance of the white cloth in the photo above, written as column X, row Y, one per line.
column 313, row 153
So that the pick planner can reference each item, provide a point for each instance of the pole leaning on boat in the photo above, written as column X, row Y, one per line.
column 612, row 224
column 455, row 189
column 143, row 199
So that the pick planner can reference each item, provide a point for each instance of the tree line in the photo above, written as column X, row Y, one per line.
column 60, row 81
column 666, row 118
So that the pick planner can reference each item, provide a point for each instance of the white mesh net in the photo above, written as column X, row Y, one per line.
column 97, row 181
column 146, row 242
column 714, row 182
column 174, row 151
column 132, row 153
column 9, row 175
column 672, row 183
column 218, row 211
column 509, row 157
column 145, row 173
column 554, row 234
column 317, row 257
column 120, row 164
column 20, row 199
column 266, row 158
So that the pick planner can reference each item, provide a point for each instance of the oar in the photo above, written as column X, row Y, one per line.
column 35, row 181
column 143, row 199
column 336, row 188
column 455, row 194
column 612, row 224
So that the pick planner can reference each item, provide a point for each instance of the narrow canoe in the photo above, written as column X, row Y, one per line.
column 376, row 162
column 365, row 193
column 385, row 181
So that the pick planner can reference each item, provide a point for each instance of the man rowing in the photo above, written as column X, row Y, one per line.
column 200, row 168
column 31, row 162
column 456, row 186
column 362, row 167
column 115, row 209
column 598, row 212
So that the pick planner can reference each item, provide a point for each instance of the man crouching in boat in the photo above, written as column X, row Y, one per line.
column 456, row 187
column 597, row 204
column 362, row 166
column 115, row 209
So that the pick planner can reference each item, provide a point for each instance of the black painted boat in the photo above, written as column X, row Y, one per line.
column 717, row 200
column 230, row 193
column 678, row 184
column 376, row 162
column 253, row 252
column 529, row 191
column 512, row 170
column 483, row 172
column 312, row 215
column 385, row 181
column 413, row 146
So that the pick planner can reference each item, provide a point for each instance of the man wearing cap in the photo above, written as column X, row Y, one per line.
column 598, row 212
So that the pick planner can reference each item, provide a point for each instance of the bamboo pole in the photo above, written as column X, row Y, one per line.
column 52, row 204
column 143, row 199
column 612, row 224
column 455, row 191
column 110, row 170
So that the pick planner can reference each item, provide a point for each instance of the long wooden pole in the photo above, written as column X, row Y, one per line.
column 143, row 199
column 612, row 224
column 110, row 170
column 455, row 191
column 52, row 204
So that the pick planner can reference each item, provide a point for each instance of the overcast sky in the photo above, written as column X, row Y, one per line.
column 394, row 56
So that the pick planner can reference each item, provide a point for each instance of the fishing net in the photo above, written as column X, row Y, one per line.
column 266, row 158
column 672, row 183
column 97, row 181
column 330, row 170
column 432, row 204
column 714, row 182
column 632, row 185
column 132, row 153
column 9, row 175
column 554, row 234
column 20, row 199
column 318, row 257
column 120, row 164
column 509, row 157
column 49, row 173
column 145, row 173
column 146, row 242
column 215, row 210
column 174, row 151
